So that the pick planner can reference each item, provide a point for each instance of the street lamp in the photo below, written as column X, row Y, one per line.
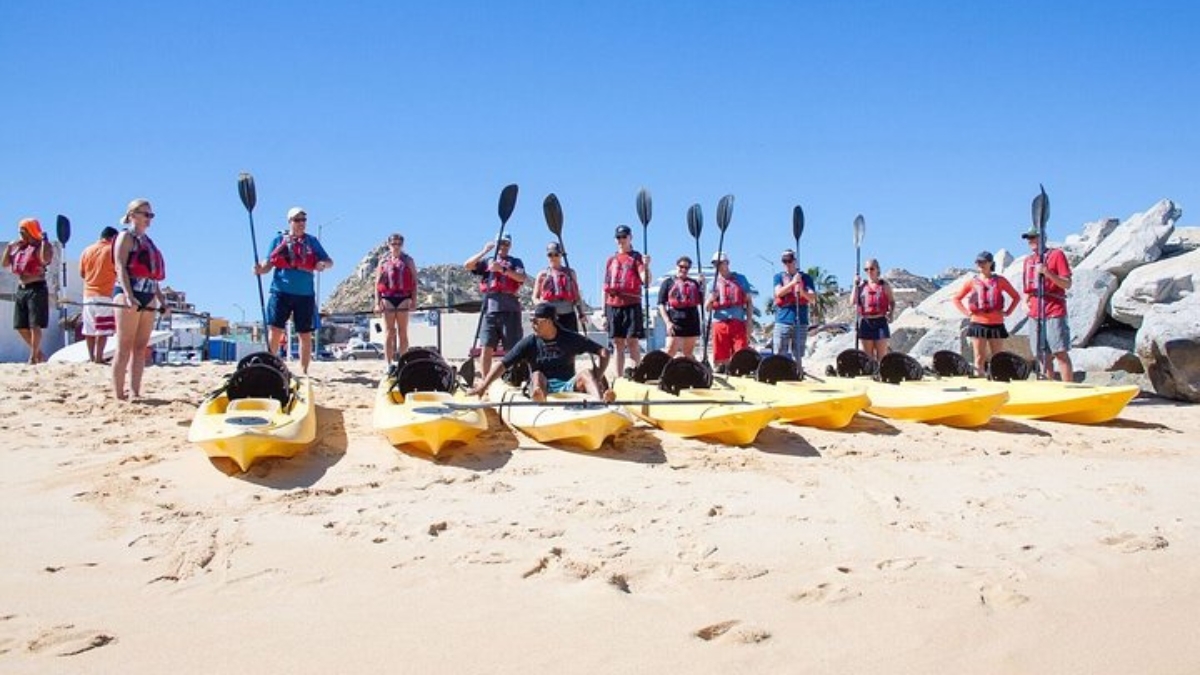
column 242, row 310
column 317, row 337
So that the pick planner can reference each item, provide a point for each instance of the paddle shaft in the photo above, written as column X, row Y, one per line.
column 584, row 404
column 262, row 301
column 857, row 290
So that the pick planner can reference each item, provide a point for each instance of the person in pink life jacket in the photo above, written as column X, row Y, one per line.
column 876, row 309
column 986, row 306
column 558, row 286
column 395, row 295
column 140, row 269
column 27, row 257
column 794, row 293
column 1056, row 273
column 500, row 281
column 626, row 273
column 679, row 300
column 732, row 308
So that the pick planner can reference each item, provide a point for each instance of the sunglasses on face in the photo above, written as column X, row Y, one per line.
column 868, row 269
column 145, row 214
column 685, row 267
column 395, row 243
column 553, row 255
column 299, row 220
column 622, row 236
column 788, row 261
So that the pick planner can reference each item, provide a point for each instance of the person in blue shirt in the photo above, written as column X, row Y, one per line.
column 794, row 290
column 732, row 305
column 295, row 256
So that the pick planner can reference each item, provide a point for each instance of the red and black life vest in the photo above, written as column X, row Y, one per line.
column 684, row 293
column 499, row 282
column 986, row 295
column 27, row 260
column 1050, row 290
column 621, row 275
column 294, row 253
column 397, row 276
column 873, row 299
column 795, row 296
column 557, row 286
column 145, row 260
column 729, row 293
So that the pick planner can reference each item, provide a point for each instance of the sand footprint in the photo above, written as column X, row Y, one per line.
column 746, row 635
column 899, row 564
column 998, row 595
column 1128, row 542
column 66, row 640
column 826, row 593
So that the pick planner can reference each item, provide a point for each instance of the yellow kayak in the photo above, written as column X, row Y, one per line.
column 953, row 404
column 1059, row 401
column 585, row 426
column 828, row 405
column 250, row 428
column 730, row 424
column 421, row 420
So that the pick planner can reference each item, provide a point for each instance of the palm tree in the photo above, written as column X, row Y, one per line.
column 826, row 284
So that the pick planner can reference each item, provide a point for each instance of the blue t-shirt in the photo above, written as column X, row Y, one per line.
column 293, row 281
column 737, row 313
column 787, row 315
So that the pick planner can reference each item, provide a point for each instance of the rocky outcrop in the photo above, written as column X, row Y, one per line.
column 1078, row 246
column 1163, row 282
column 1105, row 359
column 1168, row 343
column 1135, row 242
column 1182, row 240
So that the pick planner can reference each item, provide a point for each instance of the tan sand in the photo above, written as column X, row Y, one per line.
column 1024, row 547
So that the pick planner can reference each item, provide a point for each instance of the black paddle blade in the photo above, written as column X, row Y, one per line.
column 643, row 206
column 695, row 220
column 246, row 191
column 508, row 202
column 64, row 229
column 467, row 372
column 797, row 222
column 1041, row 209
column 860, row 230
column 724, row 212
column 554, row 215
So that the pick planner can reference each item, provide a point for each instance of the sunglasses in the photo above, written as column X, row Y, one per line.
column 146, row 214
column 299, row 220
column 553, row 255
column 622, row 236
column 685, row 267
column 788, row 261
column 868, row 269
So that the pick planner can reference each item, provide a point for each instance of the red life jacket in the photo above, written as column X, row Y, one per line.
column 684, row 293
column 729, row 293
column 1051, row 290
column 397, row 276
column 873, row 299
column 294, row 253
column 621, row 274
column 27, row 260
column 790, row 299
column 500, row 283
column 557, row 286
column 145, row 260
column 986, row 296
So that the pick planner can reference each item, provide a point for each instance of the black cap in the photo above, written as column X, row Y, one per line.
column 623, row 231
column 108, row 232
column 985, row 256
column 545, row 310
column 553, row 247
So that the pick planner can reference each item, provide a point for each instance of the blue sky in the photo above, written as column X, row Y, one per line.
column 936, row 120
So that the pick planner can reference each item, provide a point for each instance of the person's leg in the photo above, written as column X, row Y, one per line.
column 780, row 342
column 35, row 345
column 27, row 336
column 400, row 331
column 389, row 337
column 127, row 327
column 799, row 345
column 537, row 386
column 619, row 352
column 101, row 343
column 994, row 346
column 141, row 340
column 979, row 346
column 91, row 347
column 306, row 343
column 687, row 347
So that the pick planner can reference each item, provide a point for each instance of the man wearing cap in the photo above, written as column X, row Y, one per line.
column 99, row 275
column 731, row 305
column 626, row 273
column 794, row 290
column 986, row 308
column 295, row 256
column 28, row 256
column 1055, row 273
column 559, row 286
column 550, row 352
column 500, row 281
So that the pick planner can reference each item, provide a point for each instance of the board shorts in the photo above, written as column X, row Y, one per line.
column 987, row 331
column 874, row 328
column 99, row 318
column 790, row 340
column 31, row 306
column 685, row 321
column 556, row 386
column 1058, row 334
column 396, row 300
column 728, row 337
column 569, row 320
column 625, row 321
column 301, row 309
column 501, row 328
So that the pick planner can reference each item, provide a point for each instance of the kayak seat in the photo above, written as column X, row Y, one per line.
column 263, row 358
column 418, row 354
column 260, row 406
column 775, row 368
column 651, row 367
column 855, row 363
column 744, row 362
column 951, row 364
column 426, row 375
column 259, row 380
column 1007, row 366
column 895, row 368
column 683, row 373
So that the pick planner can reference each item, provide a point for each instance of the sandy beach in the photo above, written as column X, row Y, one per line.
column 1023, row 547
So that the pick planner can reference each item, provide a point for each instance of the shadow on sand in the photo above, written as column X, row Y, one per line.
column 784, row 441
column 306, row 468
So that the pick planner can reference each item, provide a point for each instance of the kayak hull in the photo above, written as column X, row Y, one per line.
column 830, row 405
column 720, row 422
column 951, row 404
column 1062, row 401
column 584, row 428
column 422, row 421
column 250, row 429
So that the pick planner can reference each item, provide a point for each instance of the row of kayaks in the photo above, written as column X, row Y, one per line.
column 262, row 411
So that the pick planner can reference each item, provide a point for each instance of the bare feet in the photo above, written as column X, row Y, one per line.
column 538, row 394
column 610, row 395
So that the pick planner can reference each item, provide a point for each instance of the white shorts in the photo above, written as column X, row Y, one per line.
column 99, row 319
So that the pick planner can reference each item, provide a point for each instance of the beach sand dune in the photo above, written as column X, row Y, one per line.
column 885, row 547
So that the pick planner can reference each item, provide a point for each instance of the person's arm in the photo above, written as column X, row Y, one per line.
column 46, row 251
column 1060, row 275
column 262, row 267
column 6, row 259
column 497, row 370
column 378, row 279
column 891, row 297
column 645, row 264
column 516, row 273
column 810, row 289
column 411, row 267
column 121, row 252
column 957, row 299
column 1007, row 288
column 473, row 261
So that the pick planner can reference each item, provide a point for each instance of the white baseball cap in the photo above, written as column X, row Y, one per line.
column 720, row 257
column 295, row 211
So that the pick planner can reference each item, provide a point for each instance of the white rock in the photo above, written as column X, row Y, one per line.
column 1135, row 242
column 1168, row 343
column 1104, row 359
column 1163, row 282
column 1078, row 246
column 1182, row 240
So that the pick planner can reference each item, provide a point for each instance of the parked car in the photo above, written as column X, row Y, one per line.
column 367, row 350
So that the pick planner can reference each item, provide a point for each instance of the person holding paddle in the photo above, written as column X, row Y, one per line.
column 876, row 309
column 986, row 307
column 679, row 300
column 794, row 290
column 395, row 290
column 500, row 280
column 731, row 307
column 550, row 352
column 558, row 286
column 625, row 274
column 295, row 256
column 28, row 256
column 99, row 274
column 1055, row 273
column 140, row 269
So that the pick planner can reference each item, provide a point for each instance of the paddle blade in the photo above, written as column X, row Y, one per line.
column 508, row 202
column 554, row 214
column 64, row 229
column 724, row 212
column 644, row 206
column 797, row 222
column 1041, row 209
column 695, row 221
column 860, row 230
column 246, row 191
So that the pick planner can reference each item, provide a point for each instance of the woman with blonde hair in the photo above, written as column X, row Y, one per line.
column 140, row 268
column 395, row 295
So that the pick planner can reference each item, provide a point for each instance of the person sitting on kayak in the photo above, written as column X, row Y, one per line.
column 550, row 352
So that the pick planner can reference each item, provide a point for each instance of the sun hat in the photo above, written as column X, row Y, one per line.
column 296, row 211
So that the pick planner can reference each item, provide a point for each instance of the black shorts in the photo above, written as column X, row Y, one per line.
column 874, row 328
column 31, row 306
column 395, row 300
column 685, row 321
column 625, row 322
column 299, row 308
column 987, row 331
column 501, row 327
column 570, row 321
